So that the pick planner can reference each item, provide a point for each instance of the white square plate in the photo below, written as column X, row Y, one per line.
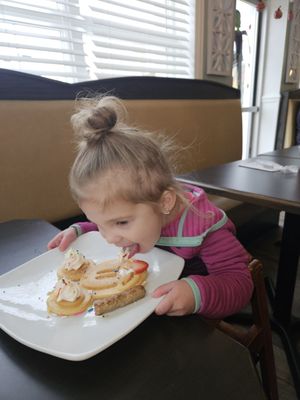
column 23, row 310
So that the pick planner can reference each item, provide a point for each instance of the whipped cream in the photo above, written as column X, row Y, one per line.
column 73, row 260
column 67, row 290
column 123, row 255
column 122, row 272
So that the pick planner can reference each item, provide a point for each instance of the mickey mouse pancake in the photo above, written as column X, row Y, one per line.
column 68, row 298
column 114, row 276
column 74, row 266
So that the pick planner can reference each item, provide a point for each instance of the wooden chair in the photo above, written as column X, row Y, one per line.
column 258, row 338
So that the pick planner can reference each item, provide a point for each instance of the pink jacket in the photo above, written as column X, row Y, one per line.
column 228, row 286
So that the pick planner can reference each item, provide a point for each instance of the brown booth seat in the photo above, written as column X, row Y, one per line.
column 37, row 146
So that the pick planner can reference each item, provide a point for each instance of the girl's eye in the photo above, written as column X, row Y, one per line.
column 122, row 222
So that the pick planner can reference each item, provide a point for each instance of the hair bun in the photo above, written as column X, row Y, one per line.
column 102, row 119
column 97, row 117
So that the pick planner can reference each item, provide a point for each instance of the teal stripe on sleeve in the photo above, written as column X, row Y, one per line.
column 196, row 292
column 77, row 229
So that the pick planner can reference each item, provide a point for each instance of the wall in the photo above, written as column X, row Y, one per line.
column 271, row 69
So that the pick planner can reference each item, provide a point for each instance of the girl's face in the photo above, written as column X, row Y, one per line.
column 126, row 224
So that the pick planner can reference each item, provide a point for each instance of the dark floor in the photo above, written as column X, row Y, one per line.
column 266, row 248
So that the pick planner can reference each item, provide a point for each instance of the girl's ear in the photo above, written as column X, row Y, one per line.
column 168, row 201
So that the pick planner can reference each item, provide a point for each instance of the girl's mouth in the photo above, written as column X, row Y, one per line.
column 131, row 250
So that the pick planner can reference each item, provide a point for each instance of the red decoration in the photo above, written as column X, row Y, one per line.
column 278, row 13
column 260, row 6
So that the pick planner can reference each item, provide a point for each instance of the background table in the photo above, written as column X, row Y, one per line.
column 290, row 152
column 163, row 358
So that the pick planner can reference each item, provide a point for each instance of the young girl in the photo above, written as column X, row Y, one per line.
column 123, row 182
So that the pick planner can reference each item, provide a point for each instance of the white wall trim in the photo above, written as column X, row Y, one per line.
column 266, row 125
column 270, row 99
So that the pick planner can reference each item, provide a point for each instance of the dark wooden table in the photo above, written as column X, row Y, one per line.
column 290, row 152
column 274, row 190
column 163, row 358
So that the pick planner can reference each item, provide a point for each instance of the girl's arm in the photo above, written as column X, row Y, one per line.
column 64, row 238
column 228, row 287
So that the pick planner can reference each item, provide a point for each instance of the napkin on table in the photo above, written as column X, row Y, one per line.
column 270, row 166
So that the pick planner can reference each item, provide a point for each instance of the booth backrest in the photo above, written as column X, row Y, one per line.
column 37, row 148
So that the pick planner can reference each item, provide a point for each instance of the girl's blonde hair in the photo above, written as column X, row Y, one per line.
column 128, row 163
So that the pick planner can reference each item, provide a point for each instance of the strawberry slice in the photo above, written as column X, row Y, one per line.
column 139, row 266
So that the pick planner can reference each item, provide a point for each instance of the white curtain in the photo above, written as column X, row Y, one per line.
column 77, row 40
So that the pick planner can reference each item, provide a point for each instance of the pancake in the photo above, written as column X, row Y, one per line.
column 68, row 298
column 112, row 277
column 74, row 266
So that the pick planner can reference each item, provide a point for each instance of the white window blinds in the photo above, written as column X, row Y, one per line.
column 77, row 40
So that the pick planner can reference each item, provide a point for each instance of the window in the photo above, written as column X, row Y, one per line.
column 247, row 23
column 77, row 40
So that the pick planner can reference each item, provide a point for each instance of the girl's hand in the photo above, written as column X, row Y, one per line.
column 63, row 239
column 179, row 298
